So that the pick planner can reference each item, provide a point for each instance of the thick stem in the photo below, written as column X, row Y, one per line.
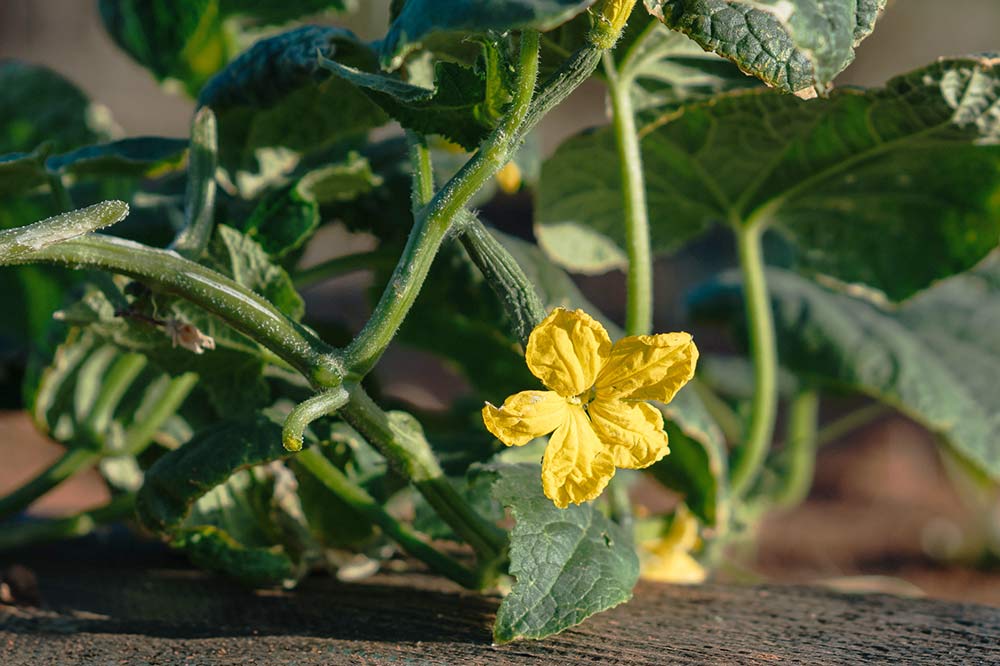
column 239, row 307
column 354, row 496
column 639, row 297
column 56, row 529
column 434, row 220
column 573, row 72
column 400, row 439
column 800, row 449
column 764, row 354
column 423, row 173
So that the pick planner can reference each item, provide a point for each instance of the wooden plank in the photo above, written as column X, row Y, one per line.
column 114, row 611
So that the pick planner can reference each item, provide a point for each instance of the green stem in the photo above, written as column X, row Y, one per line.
column 722, row 413
column 764, row 354
column 199, row 199
column 573, row 72
column 639, row 296
column 434, row 220
column 850, row 422
column 239, row 307
column 354, row 496
column 423, row 173
column 400, row 439
column 316, row 407
column 71, row 462
column 56, row 529
column 338, row 266
column 60, row 195
column 74, row 460
column 800, row 449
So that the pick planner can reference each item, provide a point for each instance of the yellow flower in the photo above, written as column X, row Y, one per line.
column 668, row 560
column 597, row 403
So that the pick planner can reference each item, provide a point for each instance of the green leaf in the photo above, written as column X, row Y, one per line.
column 793, row 45
column 284, row 219
column 455, row 108
column 421, row 21
column 204, row 498
column 188, row 43
column 39, row 106
column 935, row 357
column 664, row 69
column 568, row 563
column 273, row 12
column 136, row 157
column 246, row 262
column 696, row 467
column 276, row 96
column 862, row 184
column 20, row 172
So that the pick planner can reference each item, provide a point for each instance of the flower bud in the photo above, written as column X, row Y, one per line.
column 610, row 17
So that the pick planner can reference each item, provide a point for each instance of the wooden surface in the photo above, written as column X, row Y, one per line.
column 105, row 604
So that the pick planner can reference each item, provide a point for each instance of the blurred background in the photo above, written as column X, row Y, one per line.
column 882, row 514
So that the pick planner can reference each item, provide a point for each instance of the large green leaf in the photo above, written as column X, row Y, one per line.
column 568, row 563
column 935, row 357
column 276, row 96
column 790, row 44
column 893, row 187
column 423, row 20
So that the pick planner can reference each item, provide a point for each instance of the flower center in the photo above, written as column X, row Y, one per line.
column 584, row 398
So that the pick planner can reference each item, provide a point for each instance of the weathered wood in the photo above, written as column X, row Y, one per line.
column 114, row 611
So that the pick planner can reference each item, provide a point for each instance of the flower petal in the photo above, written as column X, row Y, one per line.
column 567, row 350
column 525, row 416
column 576, row 466
column 648, row 367
column 633, row 431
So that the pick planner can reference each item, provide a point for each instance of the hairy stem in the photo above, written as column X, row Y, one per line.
column 639, row 295
column 763, row 353
column 434, row 220
column 409, row 540
column 400, row 439
column 239, row 307
column 800, row 449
